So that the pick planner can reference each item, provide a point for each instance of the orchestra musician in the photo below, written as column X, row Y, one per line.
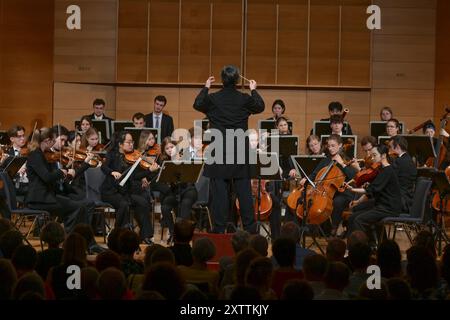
column 178, row 198
column 278, row 109
column 385, row 190
column 158, row 119
column 85, row 123
column 336, row 108
column 229, row 109
column 393, row 127
column 341, row 200
column 405, row 170
column 314, row 146
column 386, row 114
column 44, row 178
column 337, row 125
column 128, row 196
column 138, row 120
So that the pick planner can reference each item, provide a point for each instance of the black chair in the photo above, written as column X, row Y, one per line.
column 94, row 178
column 417, row 216
column 202, row 202
column 39, row 217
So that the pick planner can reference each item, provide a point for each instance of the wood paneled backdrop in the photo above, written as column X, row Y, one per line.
column 306, row 52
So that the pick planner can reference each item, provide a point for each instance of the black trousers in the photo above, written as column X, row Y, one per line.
column 274, row 189
column 182, row 205
column 341, row 201
column 221, row 203
column 364, row 219
column 71, row 212
column 141, row 208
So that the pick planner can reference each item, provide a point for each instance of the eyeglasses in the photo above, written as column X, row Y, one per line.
column 128, row 142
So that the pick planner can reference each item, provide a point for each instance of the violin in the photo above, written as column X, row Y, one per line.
column 154, row 151
column 265, row 201
column 365, row 176
column 145, row 162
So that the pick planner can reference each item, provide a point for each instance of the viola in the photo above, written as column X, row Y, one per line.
column 145, row 162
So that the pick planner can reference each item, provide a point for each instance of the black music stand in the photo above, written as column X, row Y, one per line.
column 421, row 147
column 378, row 128
column 384, row 139
column 323, row 127
column 14, row 166
column 103, row 130
column 120, row 125
column 270, row 124
column 4, row 138
column 441, row 183
column 305, row 165
column 179, row 172
column 260, row 171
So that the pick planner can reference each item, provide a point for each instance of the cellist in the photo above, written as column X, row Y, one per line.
column 341, row 200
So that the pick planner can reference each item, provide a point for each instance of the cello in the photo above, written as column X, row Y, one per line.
column 265, row 201
column 320, row 197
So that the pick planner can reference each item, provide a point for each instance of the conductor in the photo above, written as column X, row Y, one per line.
column 228, row 111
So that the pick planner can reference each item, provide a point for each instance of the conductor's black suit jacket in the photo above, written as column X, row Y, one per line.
column 228, row 109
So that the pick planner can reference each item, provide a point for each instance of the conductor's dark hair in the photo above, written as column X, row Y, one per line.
column 230, row 75
column 99, row 102
column 400, row 141
column 335, row 105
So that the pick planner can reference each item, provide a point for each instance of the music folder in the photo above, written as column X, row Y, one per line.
column 14, row 165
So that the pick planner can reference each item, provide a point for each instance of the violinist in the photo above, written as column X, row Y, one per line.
column 367, row 144
column 90, row 142
column 74, row 139
column 18, row 148
column 130, row 195
column 186, row 193
column 147, row 143
column 385, row 190
column 405, row 170
column 341, row 200
column 43, row 177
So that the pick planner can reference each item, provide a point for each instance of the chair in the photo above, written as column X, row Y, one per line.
column 94, row 178
column 417, row 216
column 202, row 202
column 22, row 213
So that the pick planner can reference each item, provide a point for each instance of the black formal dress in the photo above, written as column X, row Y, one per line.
column 166, row 124
column 229, row 109
column 406, row 174
column 385, row 191
column 131, row 195
column 44, row 180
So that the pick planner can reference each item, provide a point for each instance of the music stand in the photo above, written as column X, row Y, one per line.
column 347, row 140
column 179, row 172
column 305, row 165
column 4, row 138
column 14, row 166
column 120, row 125
column 136, row 134
column 288, row 145
column 420, row 146
column 384, row 140
column 103, row 130
column 378, row 128
column 323, row 127
column 270, row 124
column 260, row 171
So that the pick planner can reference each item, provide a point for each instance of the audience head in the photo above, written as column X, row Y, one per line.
column 374, row 294
column 357, row 237
column 240, row 240
column 30, row 282
column 290, row 230
column 8, row 278
column 89, row 279
column 359, row 256
column 111, row 284
column 107, row 259
column 9, row 241
column 259, row 244
column 425, row 239
column 259, row 273
column 183, row 231
column 296, row 289
column 86, row 232
column 149, row 250
column 193, row 294
column 421, row 269
column 24, row 259
column 389, row 259
column 166, row 279
column 243, row 293
column 162, row 254
column 113, row 239
column 314, row 267
column 203, row 250
column 243, row 260
column 284, row 252
column 53, row 234
column 75, row 250
column 150, row 295
column 398, row 289
column 128, row 243
column 336, row 250
column 337, row 276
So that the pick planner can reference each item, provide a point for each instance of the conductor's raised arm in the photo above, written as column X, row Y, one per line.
column 202, row 101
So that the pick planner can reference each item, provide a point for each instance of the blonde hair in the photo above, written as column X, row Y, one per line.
column 84, row 139
column 143, row 139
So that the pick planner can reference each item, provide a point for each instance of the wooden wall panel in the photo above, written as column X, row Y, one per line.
column 163, row 41
column 406, row 48
column 355, row 46
column 26, row 63
column 227, row 32
column 132, row 41
column 261, row 41
column 324, row 43
column 88, row 54
column 72, row 101
column 292, row 42
column 195, row 41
